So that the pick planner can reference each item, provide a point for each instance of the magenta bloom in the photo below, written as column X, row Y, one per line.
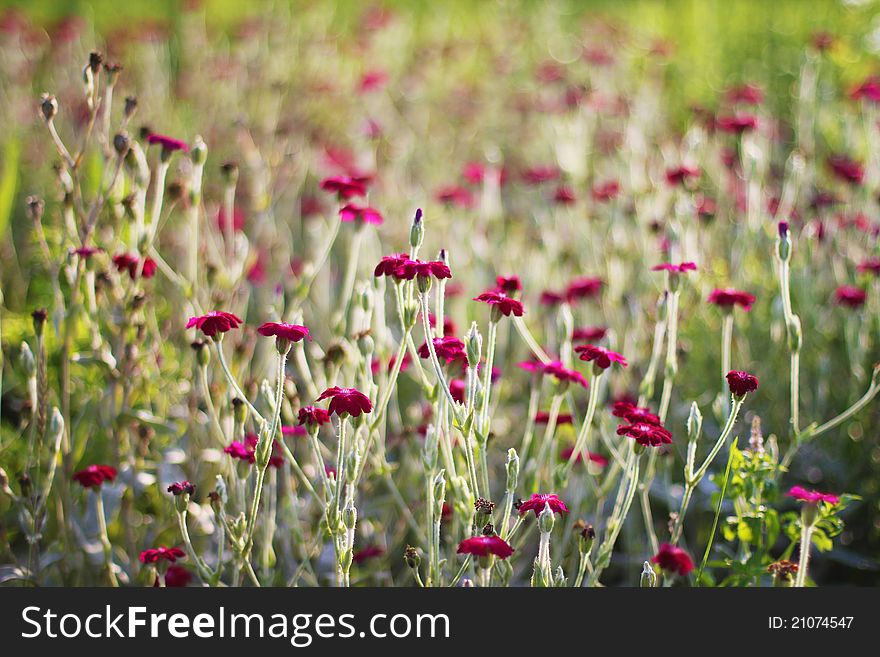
column 564, row 195
column 748, row 94
column 673, row 559
column 389, row 265
column 292, row 332
column 455, row 195
column 741, row 383
column 868, row 90
column 588, row 333
column 503, row 303
column 680, row 268
column 537, row 502
column 312, row 416
column 216, row 321
column 239, row 450
column 681, row 175
column 550, row 298
column 555, row 369
column 583, row 288
column 599, row 356
column 850, row 295
column 132, row 263
column 737, row 124
column 646, row 434
column 346, row 400
column 604, row 192
column 457, row 390
column 473, row 172
column 508, row 284
column 181, row 487
column 154, row 555
column 86, row 252
column 293, row 430
column 168, row 143
column 543, row 417
column 634, row 414
column 871, row 265
column 362, row 213
column 846, row 169
column 728, row 297
column 177, row 576
column 598, row 459
column 447, row 348
column 246, row 451
column 540, row 174
column 368, row 552
column 483, row 546
column 345, row 187
column 94, row 475
column 411, row 269
column 811, row 496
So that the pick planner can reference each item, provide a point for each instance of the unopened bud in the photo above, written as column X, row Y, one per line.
column 198, row 152
column 473, row 342
column 203, row 353
column 130, row 107
column 586, row 536
column 783, row 243
column 648, row 580
column 546, row 520
column 694, row 423
column 483, row 512
column 512, row 470
column 417, row 231
column 229, row 171
column 349, row 516
column 56, row 425
column 430, row 448
column 795, row 334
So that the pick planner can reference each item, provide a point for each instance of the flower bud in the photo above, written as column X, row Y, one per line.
column 121, row 144
column 203, row 353
column 88, row 78
column 130, row 106
column 586, row 536
column 795, row 334
column 56, row 425
column 229, row 171
column 694, row 423
column 429, row 449
column 546, row 520
column 473, row 343
column 483, row 513
column 439, row 494
column 559, row 578
column 198, row 152
column 349, row 516
column 28, row 364
column 417, row 231
column 39, row 316
column 353, row 463
column 512, row 470
column 366, row 345
column 412, row 558
column 648, row 579
column 783, row 243
column 48, row 107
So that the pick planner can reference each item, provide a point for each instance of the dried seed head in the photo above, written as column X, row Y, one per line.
column 411, row 556
column 48, row 106
column 130, row 106
column 229, row 170
column 95, row 60
column 121, row 144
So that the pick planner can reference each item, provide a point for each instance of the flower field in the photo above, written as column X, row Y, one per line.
column 336, row 294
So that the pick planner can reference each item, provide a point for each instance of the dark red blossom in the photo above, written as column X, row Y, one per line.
column 748, row 94
column 555, row 369
column 673, row 559
column 741, row 383
column 564, row 195
column 680, row 268
column 181, row 487
column 94, row 475
column 736, row 124
column 388, row 265
column 292, row 332
column 871, row 265
column 543, row 417
column 584, row 287
column 606, row 191
column 177, row 576
column 132, row 264
column 598, row 459
column 362, row 213
column 367, row 552
column 634, row 414
column 503, row 303
column 345, row 187
column 682, row 174
column 728, row 297
column 455, row 195
column 846, row 169
column 246, row 451
column 154, row 555
column 312, row 416
column 410, row 269
column 538, row 501
column 293, row 430
column 473, row 172
column 214, row 322
column 646, row 434
column 483, row 546
column 346, row 400
column 447, row 348
column 850, row 295
column 169, row 144
column 599, row 356
column 550, row 298
column 86, row 252
column 588, row 333
column 811, row 496
column 372, row 81
column 508, row 284
column 457, row 389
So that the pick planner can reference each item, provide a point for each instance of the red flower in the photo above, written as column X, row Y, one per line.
column 181, row 487
column 368, row 552
column 247, row 451
column 473, row 172
column 749, row 94
column 216, row 321
column 737, row 123
column 372, row 81
column 728, row 297
column 292, row 332
column 589, row 333
column 411, row 269
column 811, row 496
column 673, row 559
column 508, row 284
column 503, row 303
column 599, row 356
column 447, row 348
column 365, row 214
column 646, row 434
column 555, row 369
column 289, row 430
column 457, row 389
column 848, row 170
column 238, row 219
column 543, row 417
column 312, row 416
column 681, row 175
column 168, row 143
column 680, row 268
column 86, row 252
column 583, row 287
column 550, row 298
column 564, row 195
column 153, row 555
column 345, row 186
column 177, row 576
column 455, row 195
column 388, row 265
column 346, row 400
column 598, row 459
column 540, row 174
column 537, row 502
column 868, row 90
column 483, row 546
column 94, row 475
column 850, row 295
column 604, row 192
column 741, row 383
column 132, row 263
column 634, row 414
column 869, row 265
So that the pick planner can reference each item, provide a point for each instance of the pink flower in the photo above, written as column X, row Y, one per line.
column 741, row 383
column 556, row 370
column 598, row 459
column 564, row 195
column 292, row 332
column 673, row 559
column 448, row 349
column 737, row 124
column 181, row 487
column 86, row 252
column 455, row 195
column 749, row 94
column 646, row 434
column 550, row 298
column 540, row 174
column 457, row 390
column 868, row 90
column 537, row 502
column 606, row 191
column 502, row 303
column 312, row 416
column 293, row 430
column 473, row 172
column 168, row 144
column 728, row 297
column 216, row 321
column 850, row 295
column 345, row 186
column 811, row 496
column 871, row 265
column 132, row 263
column 599, row 356
column 483, row 546
column 94, row 475
column 583, row 288
column 154, row 555
column 543, row 417
column 238, row 219
column 508, row 284
column 682, row 174
column 846, row 169
column 634, row 414
column 411, row 269
column 346, row 401
column 588, row 333
column 680, row 268
column 364, row 214
column 372, row 81
column 368, row 552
